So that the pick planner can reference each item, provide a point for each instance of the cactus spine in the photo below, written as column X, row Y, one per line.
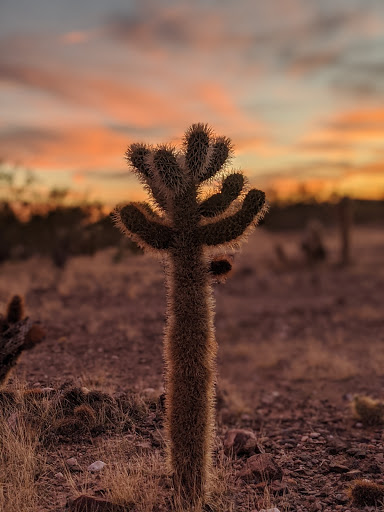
column 182, row 227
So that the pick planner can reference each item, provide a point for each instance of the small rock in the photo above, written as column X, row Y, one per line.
column 73, row 465
column 341, row 498
column 48, row 391
column 269, row 510
column 59, row 476
column 261, row 468
column 96, row 466
column 304, row 439
column 314, row 435
column 354, row 473
column 338, row 468
column 336, row 446
column 357, row 453
column 240, row 442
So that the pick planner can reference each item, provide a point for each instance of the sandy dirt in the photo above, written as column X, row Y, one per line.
column 296, row 344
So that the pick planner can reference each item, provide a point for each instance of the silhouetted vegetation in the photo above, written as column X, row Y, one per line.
column 284, row 216
column 58, row 233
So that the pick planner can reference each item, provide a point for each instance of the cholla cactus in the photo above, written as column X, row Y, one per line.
column 16, row 335
column 183, row 226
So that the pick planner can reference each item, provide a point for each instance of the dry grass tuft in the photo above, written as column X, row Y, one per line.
column 140, row 481
column 365, row 493
column 21, row 462
column 369, row 411
column 86, row 414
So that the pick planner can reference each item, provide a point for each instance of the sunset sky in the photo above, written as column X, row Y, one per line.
column 297, row 84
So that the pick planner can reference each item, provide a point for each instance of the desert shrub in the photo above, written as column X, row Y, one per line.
column 369, row 411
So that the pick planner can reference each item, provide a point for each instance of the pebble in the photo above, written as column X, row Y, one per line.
column 73, row 465
column 338, row 468
column 269, row 510
column 341, row 498
column 96, row 466
column 59, row 476
column 72, row 462
column 48, row 390
column 261, row 468
column 240, row 442
column 314, row 435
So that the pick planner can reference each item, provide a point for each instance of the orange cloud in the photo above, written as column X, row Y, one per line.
column 122, row 101
column 347, row 129
column 75, row 37
column 69, row 148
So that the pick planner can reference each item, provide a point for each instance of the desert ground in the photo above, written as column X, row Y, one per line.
column 296, row 342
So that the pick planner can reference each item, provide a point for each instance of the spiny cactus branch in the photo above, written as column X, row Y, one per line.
column 137, row 223
column 220, row 152
column 138, row 157
column 218, row 203
column 196, row 143
column 168, row 170
column 232, row 227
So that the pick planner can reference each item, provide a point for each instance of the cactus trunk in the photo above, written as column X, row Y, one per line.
column 190, row 350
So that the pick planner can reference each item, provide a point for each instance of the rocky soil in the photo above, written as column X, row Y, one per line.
column 296, row 345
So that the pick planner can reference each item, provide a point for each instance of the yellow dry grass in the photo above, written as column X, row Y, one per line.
column 20, row 463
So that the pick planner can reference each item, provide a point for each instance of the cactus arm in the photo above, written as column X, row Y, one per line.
column 136, row 222
column 138, row 157
column 196, row 143
column 232, row 227
column 218, row 203
column 167, row 171
column 220, row 152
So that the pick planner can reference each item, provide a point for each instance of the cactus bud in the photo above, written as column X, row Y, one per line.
column 15, row 310
column 220, row 268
